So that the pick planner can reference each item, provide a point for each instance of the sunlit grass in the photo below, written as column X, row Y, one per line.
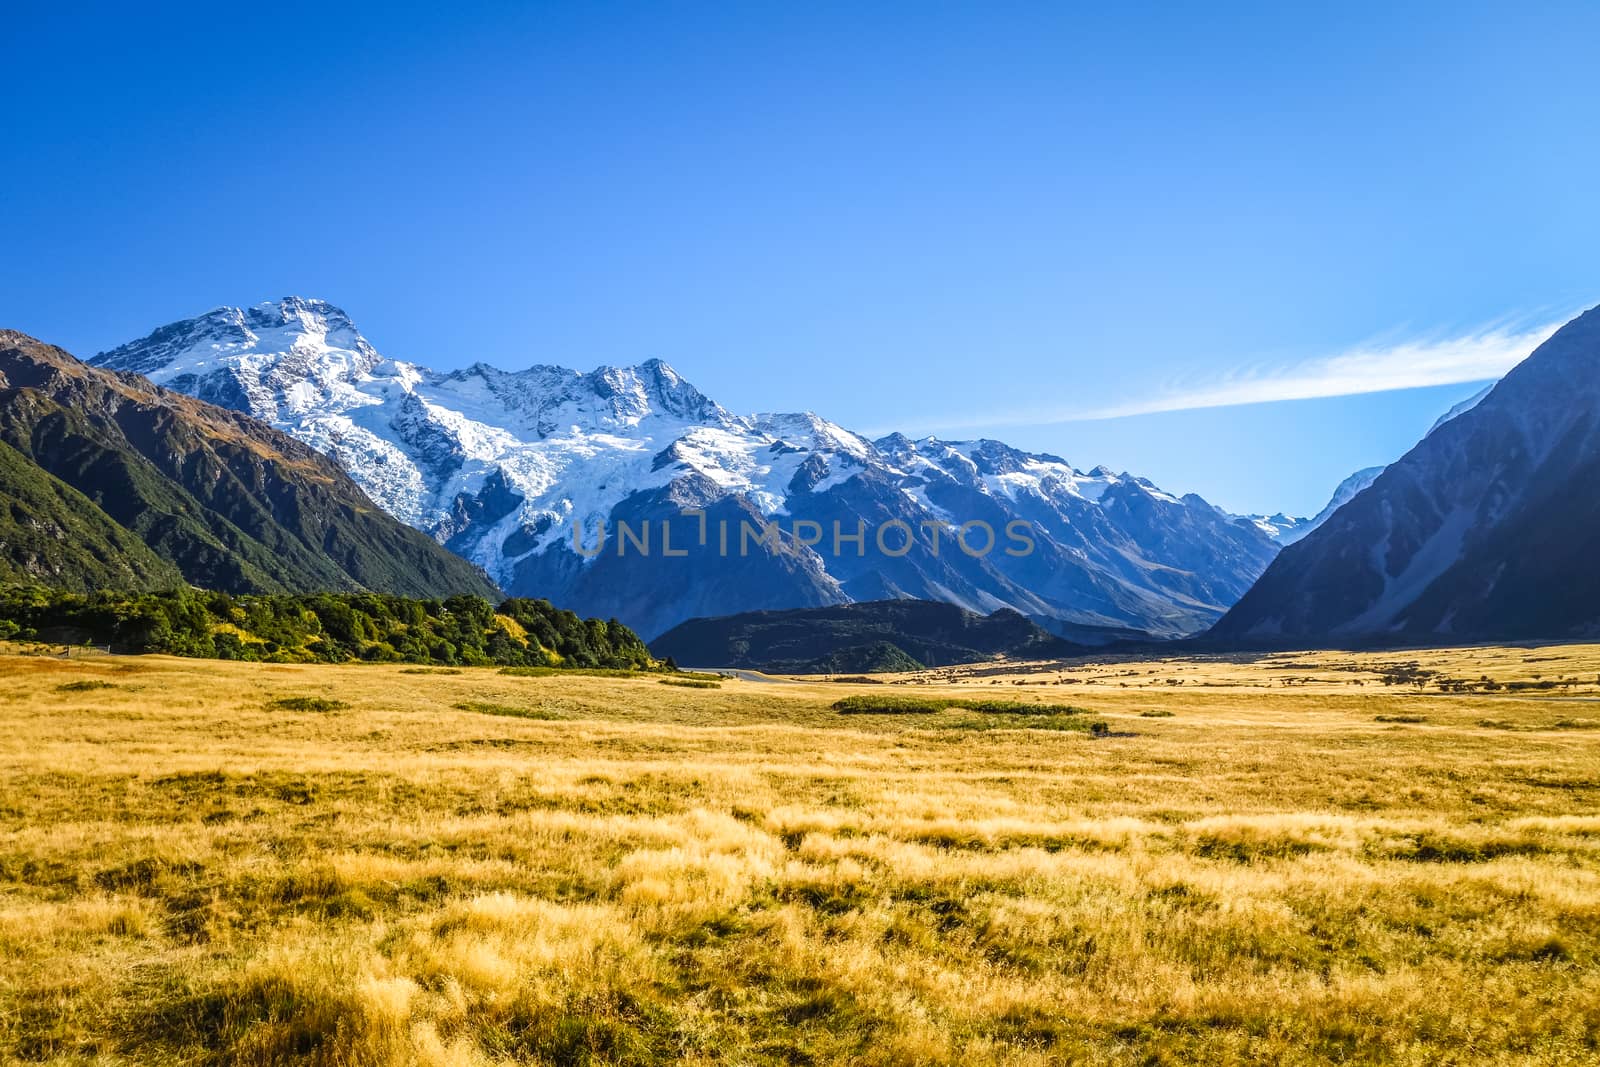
column 486, row 868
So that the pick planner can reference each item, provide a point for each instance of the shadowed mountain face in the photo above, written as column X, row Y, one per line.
column 504, row 467
column 883, row 635
column 164, row 489
column 51, row 534
column 1487, row 529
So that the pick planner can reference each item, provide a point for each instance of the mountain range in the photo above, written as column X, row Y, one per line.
column 110, row 482
column 519, row 472
column 1488, row 529
column 273, row 449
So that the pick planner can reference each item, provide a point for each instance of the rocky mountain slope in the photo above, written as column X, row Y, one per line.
column 1487, row 529
column 112, row 482
column 850, row 638
column 1286, row 530
column 506, row 467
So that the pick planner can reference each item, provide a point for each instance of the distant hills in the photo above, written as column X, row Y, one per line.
column 503, row 466
column 1489, row 529
column 885, row 635
column 109, row 482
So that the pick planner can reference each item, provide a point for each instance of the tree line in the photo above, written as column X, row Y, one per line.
column 322, row 628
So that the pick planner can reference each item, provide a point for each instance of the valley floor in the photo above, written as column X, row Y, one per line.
column 206, row 862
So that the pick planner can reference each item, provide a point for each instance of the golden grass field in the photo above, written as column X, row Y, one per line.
column 1260, row 872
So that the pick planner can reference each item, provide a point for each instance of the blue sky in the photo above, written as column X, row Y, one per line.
column 963, row 219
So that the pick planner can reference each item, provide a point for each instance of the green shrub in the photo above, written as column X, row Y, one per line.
column 328, row 628
column 887, row 704
column 874, row 704
column 508, row 710
column 1068, row 723
column 307, row 704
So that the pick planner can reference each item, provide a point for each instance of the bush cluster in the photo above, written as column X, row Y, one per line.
column 323, row 628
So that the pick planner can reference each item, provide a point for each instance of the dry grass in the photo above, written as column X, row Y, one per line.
column 487, row 868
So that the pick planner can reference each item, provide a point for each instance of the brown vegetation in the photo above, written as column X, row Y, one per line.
column 503, row 868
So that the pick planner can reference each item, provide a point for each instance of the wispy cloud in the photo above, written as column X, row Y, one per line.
column 1376, row 367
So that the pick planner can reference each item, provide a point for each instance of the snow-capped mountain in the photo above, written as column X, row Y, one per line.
column 502, row 466
column 1462, row 408
column 1286, row 529
column 1487, row 529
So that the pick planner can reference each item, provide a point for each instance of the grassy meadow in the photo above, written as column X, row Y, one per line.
column 1323, row 858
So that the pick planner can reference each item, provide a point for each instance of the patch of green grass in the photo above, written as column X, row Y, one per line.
column 507, row 710
column 431, row 670
column 1409, row 719
column 548, row 672
column 1155, row 713
column 306, row 704
column 692, row 683
column 85, row 686
column 1070, row 723
column 886, row 704
column 889, row 705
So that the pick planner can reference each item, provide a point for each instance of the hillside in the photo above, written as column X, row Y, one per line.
column 54, row 535
column 1487, row 529
column 884, row 635
column 227, row 502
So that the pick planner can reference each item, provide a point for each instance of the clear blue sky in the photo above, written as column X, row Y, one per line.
column 959, row 219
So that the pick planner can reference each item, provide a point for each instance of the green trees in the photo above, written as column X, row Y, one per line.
column 323, row 628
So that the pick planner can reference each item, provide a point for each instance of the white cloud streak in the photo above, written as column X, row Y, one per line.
column 1376, row 367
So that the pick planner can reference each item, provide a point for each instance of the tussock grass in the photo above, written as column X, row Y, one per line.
column 1071, row 723
column 743, row 875
column 692, row 683
column 894, row 704
column 1407, row 719
column 86, row 685
column 307, row 704
column 512, row 711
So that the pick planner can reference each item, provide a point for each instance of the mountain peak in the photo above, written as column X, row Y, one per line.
column 291, row 324
column 652, row 388
column 308, row 312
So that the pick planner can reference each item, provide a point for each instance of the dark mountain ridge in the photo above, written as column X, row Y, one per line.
column 1489, row 529
column 861, row 637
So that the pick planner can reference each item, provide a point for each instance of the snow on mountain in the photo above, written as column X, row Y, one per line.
column 502, row 465
column 1283, row 529
column 1465, row 406
column 1286, row 530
